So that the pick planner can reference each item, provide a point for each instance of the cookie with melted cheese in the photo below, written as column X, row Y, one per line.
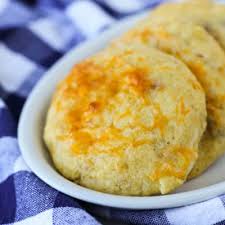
column 127, row 121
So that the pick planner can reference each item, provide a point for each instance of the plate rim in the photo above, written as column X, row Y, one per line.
column 88, row 195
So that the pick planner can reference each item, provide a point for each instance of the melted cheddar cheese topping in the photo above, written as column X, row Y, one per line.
column 93, row 91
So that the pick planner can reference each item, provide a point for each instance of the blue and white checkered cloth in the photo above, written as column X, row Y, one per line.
column 33, row 35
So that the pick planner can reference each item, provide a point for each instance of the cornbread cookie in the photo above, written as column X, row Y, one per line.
column 127, row 121
column 209, row 14
column 201, row 53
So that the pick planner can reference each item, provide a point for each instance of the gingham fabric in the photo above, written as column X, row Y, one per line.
column 33, row 35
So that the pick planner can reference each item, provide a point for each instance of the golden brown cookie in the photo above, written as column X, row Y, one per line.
column 207, row 13
column 120, row 122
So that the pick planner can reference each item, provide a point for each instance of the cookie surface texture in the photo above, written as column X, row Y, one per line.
column 120, row 122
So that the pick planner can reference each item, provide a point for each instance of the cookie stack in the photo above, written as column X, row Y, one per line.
column 147, row 112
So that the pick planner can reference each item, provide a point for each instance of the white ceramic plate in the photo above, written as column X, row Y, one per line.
column 208, row 185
